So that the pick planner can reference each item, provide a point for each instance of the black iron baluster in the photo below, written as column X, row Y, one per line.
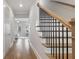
column 59, row 39
column 44, row 28
column 62, row 42
column 56, row 37
column 67, row 41
column 51, row 37
column 47, row 41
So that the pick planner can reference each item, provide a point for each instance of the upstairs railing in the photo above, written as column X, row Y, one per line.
column 59, row 36
column 50, row 13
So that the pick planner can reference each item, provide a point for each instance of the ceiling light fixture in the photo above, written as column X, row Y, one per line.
column 20, row 5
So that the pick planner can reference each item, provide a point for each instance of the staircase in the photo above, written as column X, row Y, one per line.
column 57, row 38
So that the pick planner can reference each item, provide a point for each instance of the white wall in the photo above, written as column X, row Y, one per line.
column 34, row 36
column 64, row 11
column 9, row 28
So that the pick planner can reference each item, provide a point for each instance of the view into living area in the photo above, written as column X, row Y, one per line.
column 39, row 29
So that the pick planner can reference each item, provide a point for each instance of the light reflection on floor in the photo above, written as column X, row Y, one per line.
column 19, row 44
column 21, row 50
column 27, row 44
column 22, row 42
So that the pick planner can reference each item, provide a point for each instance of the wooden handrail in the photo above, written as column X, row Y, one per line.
column 51, row 13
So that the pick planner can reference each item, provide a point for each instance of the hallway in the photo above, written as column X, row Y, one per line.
column 21, row 50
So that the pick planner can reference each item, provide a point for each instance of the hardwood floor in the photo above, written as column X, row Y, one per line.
column 21, row 50
column 65, row 56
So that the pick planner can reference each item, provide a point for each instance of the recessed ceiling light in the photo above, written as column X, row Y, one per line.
column 20, row 5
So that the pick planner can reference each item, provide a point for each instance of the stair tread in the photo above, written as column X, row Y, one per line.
column 55, row 37
column 48, row 46
column 50, row 31
column 48, row 26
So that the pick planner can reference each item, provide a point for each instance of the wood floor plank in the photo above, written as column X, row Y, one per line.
column 21, row 50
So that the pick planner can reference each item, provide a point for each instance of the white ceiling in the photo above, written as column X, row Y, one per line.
column 22, row 12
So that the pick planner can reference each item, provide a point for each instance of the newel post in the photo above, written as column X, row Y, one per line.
column 72, row 22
